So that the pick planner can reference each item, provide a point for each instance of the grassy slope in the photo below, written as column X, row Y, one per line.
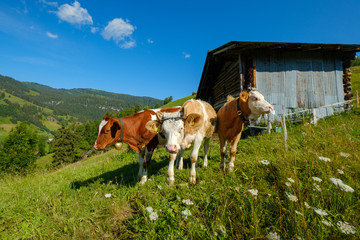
column 178, row 102
column 70, row 203
column 355, row 79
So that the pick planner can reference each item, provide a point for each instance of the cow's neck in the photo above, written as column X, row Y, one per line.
column 243, row 107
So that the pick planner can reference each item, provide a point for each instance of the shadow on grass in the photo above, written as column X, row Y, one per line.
column 125, row 176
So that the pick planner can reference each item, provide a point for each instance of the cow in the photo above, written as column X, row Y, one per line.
column 194, row 122
column 132, row 131
column 233, row 115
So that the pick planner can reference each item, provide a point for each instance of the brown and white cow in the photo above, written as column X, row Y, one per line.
column 232, row 116
column 193, row 123
column 132, row 131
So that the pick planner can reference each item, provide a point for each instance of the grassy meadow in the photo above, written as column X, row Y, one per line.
column 290, row 195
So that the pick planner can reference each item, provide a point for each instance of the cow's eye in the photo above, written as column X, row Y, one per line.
column 107, row 131
column 255, row 99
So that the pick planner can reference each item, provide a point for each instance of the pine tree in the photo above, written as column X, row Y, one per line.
column 19, row 152
column 67, row 145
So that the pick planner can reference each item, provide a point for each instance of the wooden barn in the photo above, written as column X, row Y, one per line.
column 296, row 75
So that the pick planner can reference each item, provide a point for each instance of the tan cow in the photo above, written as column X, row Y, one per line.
column 193, row 123
column 232, row 116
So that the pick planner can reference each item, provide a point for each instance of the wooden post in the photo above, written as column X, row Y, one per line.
column 357, row 98
column 240, row 73
column 283, row 123
column 268, row 124
column 314, row 116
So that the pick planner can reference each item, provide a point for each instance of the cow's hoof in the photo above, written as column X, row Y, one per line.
column 171, row 182
column 180, row 167
column 193, row 180
column 205, row 166
column 222, row 167
column 143, row 180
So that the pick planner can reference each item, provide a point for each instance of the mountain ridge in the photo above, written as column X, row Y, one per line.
column 21, row 101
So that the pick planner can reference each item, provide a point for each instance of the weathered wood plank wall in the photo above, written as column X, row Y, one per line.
column 300, row 80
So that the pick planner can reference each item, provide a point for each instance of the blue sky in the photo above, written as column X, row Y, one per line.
column 153, row 48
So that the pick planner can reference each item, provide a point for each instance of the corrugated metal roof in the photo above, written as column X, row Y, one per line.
column 236, row 46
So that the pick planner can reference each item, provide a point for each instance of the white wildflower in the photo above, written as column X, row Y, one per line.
column 237, row 189
column 108, row 195
column 159, row 187
column 253, row 192
column 299, row 213
column 149, row 209
column 341, row 185
column 320, row 211
column 316, row 179
column 291, row 197
column 340, row 171
column 288, row 184
column 325, row 159
column 187, row 202
column 346, row 228
column 316, row 187
column 186, row 213
column 273, row 236
column 345, row 155
column 327, row 223
column 153, row 216
column 222, row 229
column 307, row 205
column 265, row 162
column 291, row 180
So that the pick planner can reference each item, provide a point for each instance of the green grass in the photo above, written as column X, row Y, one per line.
column 355, row 79
column 70, row 203
column 178, row 102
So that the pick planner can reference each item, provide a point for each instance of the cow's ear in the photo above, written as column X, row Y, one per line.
column 153, row 126
column 244, row 96
column 192, row 122
column 159, row 115
column 114, row 128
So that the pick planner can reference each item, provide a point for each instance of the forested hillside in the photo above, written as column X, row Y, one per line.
column 84, row 104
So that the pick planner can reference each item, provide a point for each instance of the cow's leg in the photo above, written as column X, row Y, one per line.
column 222, row 152
column 206, row 148
column 179, row 159
column 233, row 148
column 142, row 167
column 145, row 158
column 170, row 172
column 193, row 157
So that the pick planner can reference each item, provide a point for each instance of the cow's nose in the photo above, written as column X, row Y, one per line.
column 272, row 110
column 95, row 146
column 171, row 148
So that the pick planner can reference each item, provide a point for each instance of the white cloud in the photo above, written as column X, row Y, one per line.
column 94, row 29
column 186, row 55
column 149, row 40
column 74, row 14
column 52, row 4
column 50, row 35
column 120, row 31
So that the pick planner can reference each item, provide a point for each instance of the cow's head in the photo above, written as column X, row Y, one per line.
column 108, row 133
column 256, row 102
column 175, row 127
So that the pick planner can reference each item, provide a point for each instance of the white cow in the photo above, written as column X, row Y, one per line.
column 194, row 122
